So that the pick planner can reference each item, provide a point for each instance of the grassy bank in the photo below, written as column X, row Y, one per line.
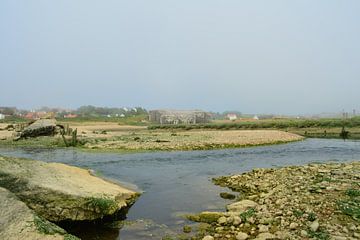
column 315, row 128
column 354, row 132
column 276, row 124
column 137, row 120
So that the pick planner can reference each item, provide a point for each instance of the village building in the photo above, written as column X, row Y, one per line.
column 178, row 116
column 70, row 115
column 2, row 116
column 39, row 115
column 231, row 116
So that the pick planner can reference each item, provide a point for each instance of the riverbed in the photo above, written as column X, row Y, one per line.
column 176, row 183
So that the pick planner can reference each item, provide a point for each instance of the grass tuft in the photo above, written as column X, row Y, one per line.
column 104, row 205
column 247, row 214
column 353, row 192
column 311, row 217
column 70, row 237
column 351, row 208
column 320, row 234
column 46, row 227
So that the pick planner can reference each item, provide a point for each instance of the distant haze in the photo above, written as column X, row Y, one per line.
column 253, row 56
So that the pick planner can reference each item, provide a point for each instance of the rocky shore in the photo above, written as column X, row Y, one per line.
column 57, row 192
column 316, row 201
column 18, row 222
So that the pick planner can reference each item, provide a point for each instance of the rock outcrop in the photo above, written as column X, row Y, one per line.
column 42, row 127
column 58, row 192
column 18, row 222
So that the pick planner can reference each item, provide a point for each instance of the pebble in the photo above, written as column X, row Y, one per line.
column 241, row 236
column 314, row 226
column 293, row 225
column 264, row 236
column 219, row 229
column 338, row 238
column 237, row 220
column 251, row 220
column 282, row 235
column 230, row 219
column 222, row 220
column 303, row 233
column 263, row 228
column 208, row 237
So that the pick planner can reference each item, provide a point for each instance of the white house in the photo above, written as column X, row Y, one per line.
column 231, row 116
column 2, row 116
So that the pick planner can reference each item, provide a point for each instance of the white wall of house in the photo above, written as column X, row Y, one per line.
column 2, row 116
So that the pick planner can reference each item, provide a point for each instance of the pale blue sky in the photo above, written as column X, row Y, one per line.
column 253, row 56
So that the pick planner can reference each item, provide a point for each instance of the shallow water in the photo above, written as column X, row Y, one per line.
column 175, row 183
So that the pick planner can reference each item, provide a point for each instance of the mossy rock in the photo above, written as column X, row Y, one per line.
column 205, row 217
column 58, row 192
column 226, row 195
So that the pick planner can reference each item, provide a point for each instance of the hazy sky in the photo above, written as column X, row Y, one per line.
column 252, row 56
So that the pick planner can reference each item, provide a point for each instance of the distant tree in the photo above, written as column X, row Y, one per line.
column 8, row 110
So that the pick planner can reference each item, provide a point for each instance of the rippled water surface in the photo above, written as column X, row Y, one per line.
column 175, row 183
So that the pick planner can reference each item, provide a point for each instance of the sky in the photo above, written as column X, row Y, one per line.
column 286, row 57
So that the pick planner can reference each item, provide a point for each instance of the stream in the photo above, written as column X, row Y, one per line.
column 176, row 183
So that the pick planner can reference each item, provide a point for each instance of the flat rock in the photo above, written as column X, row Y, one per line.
column 241, row 206
column 60, row 192
column 18, row 222
column 206, row 217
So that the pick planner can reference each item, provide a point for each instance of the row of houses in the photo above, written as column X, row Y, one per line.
column 178, row 116
column 187, row 117
column 233, row 117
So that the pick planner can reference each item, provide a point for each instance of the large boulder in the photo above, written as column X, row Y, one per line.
column 59, row 192
column 241, row 206
column 18, row 222
column 42, row 127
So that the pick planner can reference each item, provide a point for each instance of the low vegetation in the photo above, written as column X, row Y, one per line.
column 276, row 124
column 315, row 128
column 102, row 205
column 135, row 120
column 46, row 227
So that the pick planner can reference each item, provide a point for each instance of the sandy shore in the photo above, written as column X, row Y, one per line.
column 114, row 137
column 188, row 140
